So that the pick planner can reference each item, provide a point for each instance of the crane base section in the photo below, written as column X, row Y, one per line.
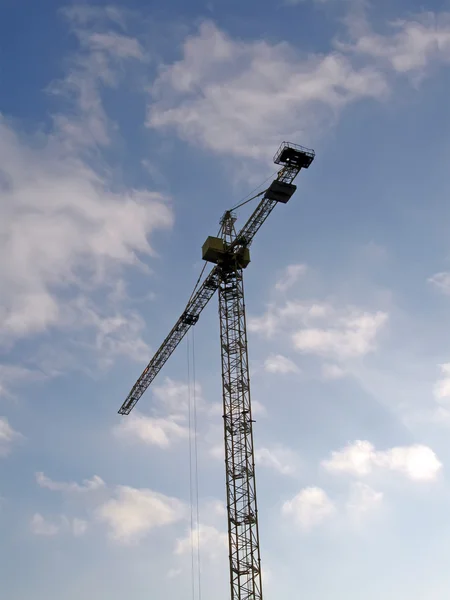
column 215, row 250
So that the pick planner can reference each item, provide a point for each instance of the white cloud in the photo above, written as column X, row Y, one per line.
column 62, row 227
column 78, row 527
column 441, row 281
column 330, row 371
column 12, row 376
column 279, row 458
column 321, row 329
column 217, row 451
column 290, row 276
column 8, row 437
column 173, row 396
column 213, row 543
column 442, row 387
column 411, row 44
column 132, row 513
column 276, row 363
column 241, row 98
column 287, row 316
column 417, row 462
column 172, row 573
column 171, row 409
column 258, row 409
column 40, row 526
column 351, row 336
column 160, row 432
column 83, row 14
column 98, row 63
column 114, row 44
column 88, row 485
column 67, row 226
column 309, row 508
column 129, row 513
column 362, row 500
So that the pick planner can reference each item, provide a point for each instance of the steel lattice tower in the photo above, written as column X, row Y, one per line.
column 230, row 255
column 243, row 536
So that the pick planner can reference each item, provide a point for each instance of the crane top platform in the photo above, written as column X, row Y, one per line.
column 293, row 155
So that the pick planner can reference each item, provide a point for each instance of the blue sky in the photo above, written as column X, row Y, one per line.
column 125, row 132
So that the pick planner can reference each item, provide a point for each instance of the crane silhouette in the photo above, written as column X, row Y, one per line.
column 229, row 252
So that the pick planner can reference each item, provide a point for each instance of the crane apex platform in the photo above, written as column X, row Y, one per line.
column 294, row 155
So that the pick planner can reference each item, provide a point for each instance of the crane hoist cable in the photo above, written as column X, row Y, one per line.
column 196, row 468
column 191, row 502
column 193, row 467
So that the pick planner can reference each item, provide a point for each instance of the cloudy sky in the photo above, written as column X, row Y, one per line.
column 125, row 132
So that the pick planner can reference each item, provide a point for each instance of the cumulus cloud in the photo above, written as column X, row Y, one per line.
column 362, row 500
column 213, row 543
column 170, row 412
column 417, row 462
column 128, row 513
column 290, row 276
column 290, row 314
column 277, row 363
column 132, row 513
column 310, row 507
column 8, row 437
column 240, row 98
column 279, row 458
column 160, row 432
column 351, row 336
column 322, row 329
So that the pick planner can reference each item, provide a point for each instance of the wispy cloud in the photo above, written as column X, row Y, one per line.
column 67, row 228
column 290, row 276
column 240, row 98
column 8, row 437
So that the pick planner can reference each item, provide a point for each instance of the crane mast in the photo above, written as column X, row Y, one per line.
column 230, row 255
column 243, row 535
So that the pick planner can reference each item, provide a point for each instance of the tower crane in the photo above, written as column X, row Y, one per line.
column 230, row 255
